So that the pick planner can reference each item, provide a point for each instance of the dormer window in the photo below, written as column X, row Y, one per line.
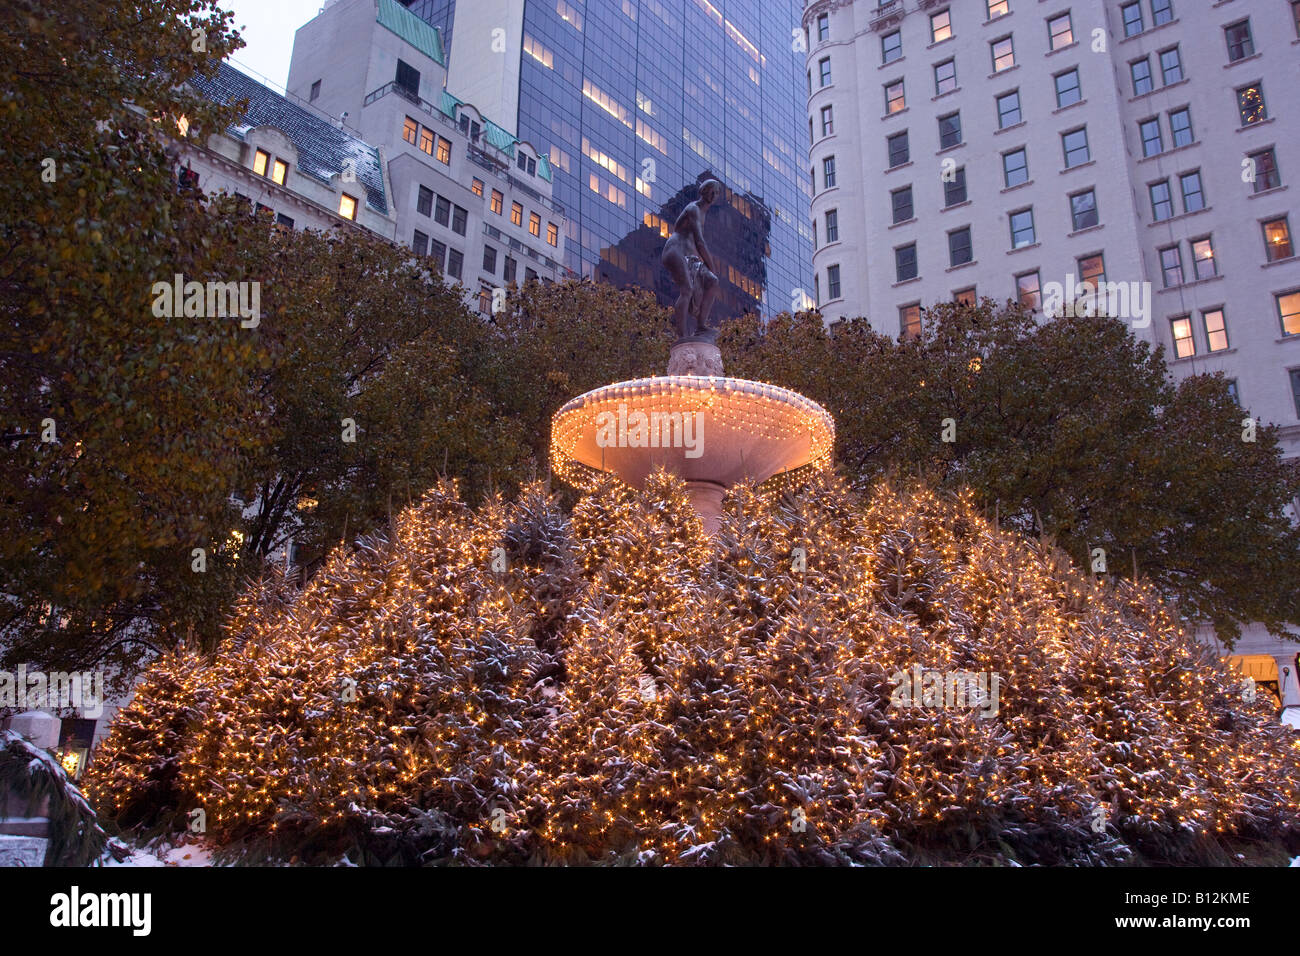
column 348, row 207
column 263, row 165
column 261, row 160
column 279, row 172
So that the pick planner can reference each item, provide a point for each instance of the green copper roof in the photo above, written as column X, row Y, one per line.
column 412, row 29
column 496, row 136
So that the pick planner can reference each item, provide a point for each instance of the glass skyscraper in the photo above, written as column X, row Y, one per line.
column 638, row 101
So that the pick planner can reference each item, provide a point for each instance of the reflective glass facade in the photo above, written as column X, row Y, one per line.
column 439, row 13
column 637, row 101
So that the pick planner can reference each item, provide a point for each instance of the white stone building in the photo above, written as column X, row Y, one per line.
column 964, row 148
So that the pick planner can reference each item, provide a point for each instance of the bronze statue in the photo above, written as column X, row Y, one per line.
column 693, row 269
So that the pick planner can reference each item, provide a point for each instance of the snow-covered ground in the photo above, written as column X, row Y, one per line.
column 191, row 854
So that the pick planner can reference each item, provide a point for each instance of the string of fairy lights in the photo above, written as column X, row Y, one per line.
column 717, row 701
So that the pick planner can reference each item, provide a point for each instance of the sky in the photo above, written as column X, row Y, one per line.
column 267, row 28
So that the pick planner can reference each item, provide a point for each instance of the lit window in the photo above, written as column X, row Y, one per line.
column 1151, row 141
column 1184, row 344
column 1180, row 125
column 1203, row 258
column 949, row 130
column 279, row 171
column 1193, row 195
column 1171, row 66
column 348, row 207
column 476, row 187
column 1162, row 201
column 1250, row 104
column 1277, row 239
column 1015, row 167
column 534, row 224
column 891, row 46
column 410, row 130
column 1028, row 290
column 901, row 203
column 444, row 151
column 426, row 140
column 497, row 200
column 1083, row 209
column 260, row 162
column 945, row 77
column 485, row 301
column 894, row 99
column 552, row 234
column 1004, row 54
column 940, row 26
column 517, row 213
column 1075, row 145
column 1008, row 109
column 964, row 296
column 959, row 246
column 997, row 8
column 1171, row 266
column 909, row 320
column 1092, row 269
column 1240, row 42
column 1059, row 31
column 1216, row 330
column 1067, row 89
column 905, row 262
column 1288, row 310
column 1263, row 167
column 1022, row 228
column 1140, row 70
column 1132, row 14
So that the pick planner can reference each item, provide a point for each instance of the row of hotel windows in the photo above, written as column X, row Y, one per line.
column 277, row 170
column 443, row 210
column 1060, row 34
column 451, row 262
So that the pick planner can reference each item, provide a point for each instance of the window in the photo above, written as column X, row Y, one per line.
column 552, row 234
column 420, row 243
column 442, row 211
column 828, row 121
column 1184, row 344
column 905, row 262
column 438, row 252
column 954, row 189
column 1295, row 15
column 1250, row 104
column 1004, row 54
column 1203, row 258
column 315, row 92
column 949, row 130
column 279, row 170
column 940, row 26
column 458, row 217
column 833, row 282
column 901, row 203
column 410, row 130
column 1059, row 31
column 964, row 296
column 530, row 275
column 407, row 78
column 1288, row 310
column 426, row 140
column 1277, row 239
column 1171, row 66
column 1193, row 196
column 891, row 47
column 945, row 77
column 823, row 27
column 1232, row 392
column 1140, row 70
column 1132, row 14
column 1240, row 43
column 1092, row 269
column 1263, row 167
column 455, row 263
column 534, row 224
column 476, row 187
column 1075, row 145
column 1216, row 331
column 1295, row 389
column 894, row 99
column 444, row 151
column 260, row 161
column 517, row 213
column 1171, row 266
column 1008, row 109
column 1015, row 167
column 485, row 300
column 1150, row 132
column 824, row 70
column 348, row 206
column 509, row 272
column 828, row 172
column 1028, row 290
column 1022, row 228
column 284, row 220
column 497, row 199
column 833, row 225
column 1180, row 125
column 1067, row 89
column 899, row 152
column 998, row 8
column 959, row 246
column 1083, row 209
column 1162, row 201
column 424, row 201
column 489, row 260
column 909, row 320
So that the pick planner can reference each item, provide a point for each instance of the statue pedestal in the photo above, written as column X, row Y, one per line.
column 695, row 358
